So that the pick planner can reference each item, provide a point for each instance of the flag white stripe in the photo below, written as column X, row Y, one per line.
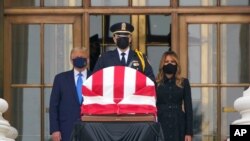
column 149, row 82
column 138, row 100
column 129, row 89
column 129, row 82
column 108, row 82
column 88, row 83
column 97, row 100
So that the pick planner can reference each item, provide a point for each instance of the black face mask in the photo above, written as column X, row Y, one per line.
column 122, row 42
column 169, row 69
column 80, row 62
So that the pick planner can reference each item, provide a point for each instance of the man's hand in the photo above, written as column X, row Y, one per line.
column 188, row 138
column 56, row 136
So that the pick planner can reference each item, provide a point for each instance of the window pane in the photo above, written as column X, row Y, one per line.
column 26, row 54
column 108, row 48
column 97, row 26
column 152, row 3
column 235, row 2
column 118, row 18
column 58, row 43
column 109, row 2
column 101, row 38
column 235, row 57
column 204, row 113
column 159, row 24
column 47, row 93
column 154, row 54
column 62, row 2
column 26, row 112
column 198, row 2
column 229, row 95
column 96, row 37
column 24, row 3
column 158, row 29
column 202, row 53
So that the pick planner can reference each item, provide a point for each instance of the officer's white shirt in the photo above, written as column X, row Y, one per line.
column 126, row 54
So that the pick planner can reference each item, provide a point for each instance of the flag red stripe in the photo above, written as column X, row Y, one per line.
column 138, row 109
column 96, row 89
column 140, row 81
column 97, row 82
column 119, row 83
column 113, row 108
column 87, row 92
column 146, row 91
column 97, row 109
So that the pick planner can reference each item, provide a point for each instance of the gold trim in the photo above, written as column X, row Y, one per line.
column 120, row 31
column 228, row 109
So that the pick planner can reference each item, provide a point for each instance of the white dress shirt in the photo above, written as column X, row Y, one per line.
column 84, row 75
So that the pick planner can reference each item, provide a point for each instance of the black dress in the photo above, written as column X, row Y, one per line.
column 174, row 121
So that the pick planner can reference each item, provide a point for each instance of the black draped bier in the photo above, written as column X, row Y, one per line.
column 117, row 131
column 110, row 113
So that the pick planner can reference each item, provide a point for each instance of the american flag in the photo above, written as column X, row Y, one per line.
column 118, row 90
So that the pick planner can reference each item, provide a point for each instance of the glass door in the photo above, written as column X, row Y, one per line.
column 36, row 49
column 151, row 35
column 215, row 51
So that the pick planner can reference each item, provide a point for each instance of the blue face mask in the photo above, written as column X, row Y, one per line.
column 80, row 62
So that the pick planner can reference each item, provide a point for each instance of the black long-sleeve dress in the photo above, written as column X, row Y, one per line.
column 175, row 121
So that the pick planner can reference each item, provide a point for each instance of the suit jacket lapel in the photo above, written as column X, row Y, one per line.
column 116, row 58
column 73, row 85
column 88, row 74
column 131, row 55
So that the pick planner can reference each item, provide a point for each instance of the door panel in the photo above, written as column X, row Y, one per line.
column 58, row 41
column 214, row 53
column 36, row 49
column 25, row 48
column 151, row 35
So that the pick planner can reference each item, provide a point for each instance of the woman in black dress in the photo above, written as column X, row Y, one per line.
column 174, row 102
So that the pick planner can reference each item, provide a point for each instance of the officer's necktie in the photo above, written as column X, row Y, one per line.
column 79, row 88
column 123, row 59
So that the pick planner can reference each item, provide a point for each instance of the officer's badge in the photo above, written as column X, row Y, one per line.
column 123, row 26
column 135, row 64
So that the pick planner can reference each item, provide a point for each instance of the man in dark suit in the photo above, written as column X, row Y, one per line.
column 123, row 55
column 66, row 96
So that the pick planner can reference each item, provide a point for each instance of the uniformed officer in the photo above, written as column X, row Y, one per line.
column 123, row 55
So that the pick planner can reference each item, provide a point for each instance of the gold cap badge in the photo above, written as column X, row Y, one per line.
column 123, row 26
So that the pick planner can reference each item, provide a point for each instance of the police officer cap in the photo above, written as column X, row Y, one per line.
column 122, row 28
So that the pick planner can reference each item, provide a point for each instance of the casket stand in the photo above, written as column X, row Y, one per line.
column 105, row 124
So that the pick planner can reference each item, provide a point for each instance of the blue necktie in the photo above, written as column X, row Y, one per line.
column 79, row 88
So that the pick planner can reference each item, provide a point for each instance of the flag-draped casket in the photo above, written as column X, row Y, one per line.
column 118, row 90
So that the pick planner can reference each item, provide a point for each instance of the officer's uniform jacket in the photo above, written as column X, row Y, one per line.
column 111, row 58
